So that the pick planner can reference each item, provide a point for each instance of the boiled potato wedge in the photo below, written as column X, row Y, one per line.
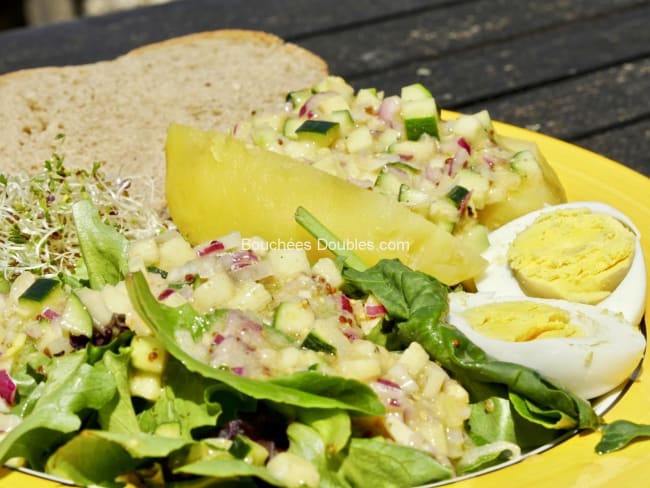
column 216, row 184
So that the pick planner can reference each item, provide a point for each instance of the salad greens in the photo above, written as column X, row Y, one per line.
column 103, row 249
column 308, row 389
column 80, row 402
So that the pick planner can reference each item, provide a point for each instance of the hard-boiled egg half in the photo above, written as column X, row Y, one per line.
column 585, row 252
column 584, row 348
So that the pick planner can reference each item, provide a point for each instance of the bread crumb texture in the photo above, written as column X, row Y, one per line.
column 118, row 111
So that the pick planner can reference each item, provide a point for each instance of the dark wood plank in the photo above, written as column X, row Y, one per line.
column 628, row 145
column 579, row 106
column 107, row 36
column 380, row 46
column 526, row 62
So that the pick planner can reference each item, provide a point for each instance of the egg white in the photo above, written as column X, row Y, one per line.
column 627, row 299
column 605, row 355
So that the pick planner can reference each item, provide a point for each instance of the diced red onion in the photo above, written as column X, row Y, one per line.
column 389, row 383
column 433, row 173
column 458, row 161
column 345, row 303
column 406, row 157
column 241, row 259
column 254, row 272
column 212, row 247
column 7, row 387
column 48, row 314
column 165, row 293
column 465, row 145
column 238, row 370
column 464, row 202
column 361, row 183
column 489, row 161
column 394, row 402
column 218, row 339
column 377, row 310
column 351, row 335
column 388, row 110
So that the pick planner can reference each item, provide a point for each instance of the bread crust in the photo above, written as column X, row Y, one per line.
column 118, row 111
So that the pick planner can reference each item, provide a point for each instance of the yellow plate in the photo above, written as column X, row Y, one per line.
column 572, row 464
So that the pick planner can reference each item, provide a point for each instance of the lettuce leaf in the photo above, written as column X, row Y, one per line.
column 71, row 392
column 308, row 389
column 103, row 249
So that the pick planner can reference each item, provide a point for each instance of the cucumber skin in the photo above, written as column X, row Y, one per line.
column 40, row 290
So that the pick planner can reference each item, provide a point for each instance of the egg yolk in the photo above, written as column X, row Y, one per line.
column 572, row 254
column 521, row 321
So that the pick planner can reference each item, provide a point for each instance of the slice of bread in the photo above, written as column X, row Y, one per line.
column 118, row 111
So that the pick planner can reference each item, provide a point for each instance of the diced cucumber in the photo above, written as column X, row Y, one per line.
column 295, row 319
column 75, row 318
column 361, row 368
column 330, row 164
column 290, row 126
column 249, row 295
column 293, row 471
column 248, row 450
column 287, row 263
column 343, row 118
column 44, row 292
column 303, row 150
column 94, row 303
column 420, row 117
column 331, row 102
column 386, row 139
column 476, row 183
column 457, row 194
column 145, row 385
column 265, row 137
column 470, row 128
column 175, row 251
column 359, row 140
column 316, row 343
column 214, row 292
column 525, row 164
column 406, row 168
column 416, row 91
column 148, row 354
column 444, row 213
column 414, row 358
column 40, row 290
column 320, row 132
column 299, row 97
column 412, row 197
column 368, row 97
column 327, row 269
column 388, row 183
column 421, row 150
column 335, row 84
column 376, row 332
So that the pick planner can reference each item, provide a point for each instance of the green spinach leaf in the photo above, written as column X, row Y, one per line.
column 418, row 304
column 379, row 463
column 619, row 434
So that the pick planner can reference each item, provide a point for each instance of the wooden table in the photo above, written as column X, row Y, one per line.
column 578, row 70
